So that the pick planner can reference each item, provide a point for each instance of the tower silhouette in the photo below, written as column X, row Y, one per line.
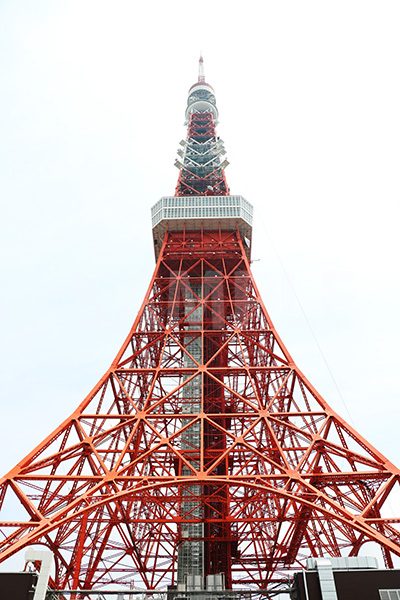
column 203, row 451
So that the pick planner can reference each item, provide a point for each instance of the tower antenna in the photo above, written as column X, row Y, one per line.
column 201, row 78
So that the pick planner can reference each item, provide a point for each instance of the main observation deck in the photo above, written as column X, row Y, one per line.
column 192, row 213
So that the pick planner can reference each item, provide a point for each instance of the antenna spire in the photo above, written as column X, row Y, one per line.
column 201, row 78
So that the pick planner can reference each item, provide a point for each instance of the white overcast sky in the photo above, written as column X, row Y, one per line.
column 92, row 100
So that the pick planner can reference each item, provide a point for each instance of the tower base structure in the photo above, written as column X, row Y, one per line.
column 202, row 450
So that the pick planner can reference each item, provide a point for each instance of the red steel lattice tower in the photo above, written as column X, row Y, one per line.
column 203, row 450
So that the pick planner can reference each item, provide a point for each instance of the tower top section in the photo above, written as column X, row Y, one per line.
column 202, row 199
column 201, row 96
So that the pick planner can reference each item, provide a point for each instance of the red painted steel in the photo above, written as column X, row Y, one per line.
column 205, row 178
column 282, row 475
column 272, row 473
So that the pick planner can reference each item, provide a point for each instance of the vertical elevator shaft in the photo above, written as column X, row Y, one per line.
column 206, row 541
column 191, row 549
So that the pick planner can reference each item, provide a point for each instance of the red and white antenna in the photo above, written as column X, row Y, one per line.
column 201, row 78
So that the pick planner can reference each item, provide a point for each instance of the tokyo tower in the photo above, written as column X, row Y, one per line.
column 203, row 458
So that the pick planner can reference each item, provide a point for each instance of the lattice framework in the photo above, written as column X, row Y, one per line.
column 279, row 475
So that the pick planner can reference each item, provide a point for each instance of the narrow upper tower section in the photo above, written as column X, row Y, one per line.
column 200, row 163
column 202, row 200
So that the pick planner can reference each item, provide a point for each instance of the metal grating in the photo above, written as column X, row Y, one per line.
column 389, row 594
column 201, row 207
column 176, row 213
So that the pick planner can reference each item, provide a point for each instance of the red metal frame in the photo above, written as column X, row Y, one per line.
column 206, row 180
column 282, row 475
